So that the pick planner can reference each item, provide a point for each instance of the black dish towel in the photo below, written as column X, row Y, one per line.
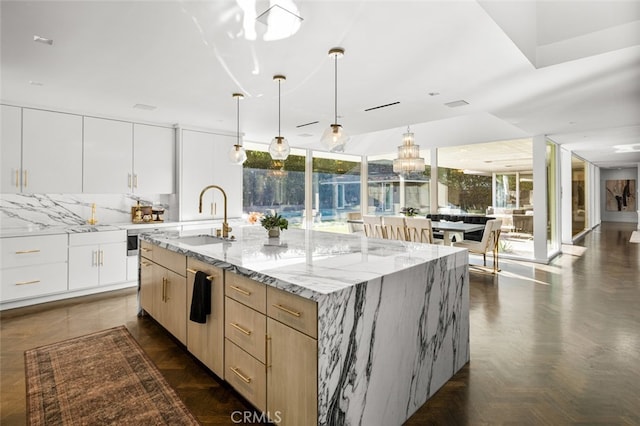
column 201, row 301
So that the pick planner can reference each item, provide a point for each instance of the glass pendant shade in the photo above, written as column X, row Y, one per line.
column 335, row 138
column 409, row 160
column 237, row 154
column 279, row 148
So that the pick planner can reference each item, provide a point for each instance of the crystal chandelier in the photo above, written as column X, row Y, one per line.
column 237, row 154
column 335, row 138
column 409, row 160
column 279, row 147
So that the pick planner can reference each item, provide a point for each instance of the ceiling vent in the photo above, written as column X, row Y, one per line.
column 144, row 107
column 456, row 104
column 381, row 106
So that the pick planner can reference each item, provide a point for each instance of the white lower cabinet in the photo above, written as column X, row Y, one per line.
column 33, row 266
column 97, row 258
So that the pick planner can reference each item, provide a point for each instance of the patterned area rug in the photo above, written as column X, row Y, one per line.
column 101, row 378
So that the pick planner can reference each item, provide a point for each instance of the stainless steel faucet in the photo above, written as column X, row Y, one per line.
column 225, row 226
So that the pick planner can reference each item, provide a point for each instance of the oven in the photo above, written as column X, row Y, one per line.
column 132, row 241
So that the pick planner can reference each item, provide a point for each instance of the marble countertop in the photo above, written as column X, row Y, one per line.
column 309, row 263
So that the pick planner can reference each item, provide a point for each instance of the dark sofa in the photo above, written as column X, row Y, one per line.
column 466, row 218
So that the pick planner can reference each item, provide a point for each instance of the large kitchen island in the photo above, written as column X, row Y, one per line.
column 314, row 327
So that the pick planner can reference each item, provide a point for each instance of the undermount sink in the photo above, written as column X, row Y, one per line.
column 200, row 240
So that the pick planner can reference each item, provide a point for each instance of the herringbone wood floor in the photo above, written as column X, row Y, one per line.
column 550, row 344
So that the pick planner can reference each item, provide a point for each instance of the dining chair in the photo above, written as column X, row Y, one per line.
column 489, row 242
column 419, row 230
column 395, row 228
column 354, row 227
column 373, row 226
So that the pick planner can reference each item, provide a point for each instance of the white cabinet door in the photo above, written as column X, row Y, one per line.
column 113, row 263
column 196, row 173
column 83, row 267
column 153, row 159
column 10, row 147
column 228, row 176
column 108, row 156
column 51, row 152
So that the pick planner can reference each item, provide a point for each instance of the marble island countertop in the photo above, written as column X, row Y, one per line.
column 308, row 263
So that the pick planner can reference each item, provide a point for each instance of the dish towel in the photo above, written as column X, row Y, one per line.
column 201, row 300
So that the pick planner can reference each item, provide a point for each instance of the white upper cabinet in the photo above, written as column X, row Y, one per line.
column 10, row 146
column 108, row 156
column 51, row 152
column 205, row 162
column 153, row 159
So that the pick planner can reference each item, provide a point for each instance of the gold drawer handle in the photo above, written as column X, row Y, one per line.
column 239, row 374
column 193, row 271
column 241, row 290
column 289, row 311
column 242, row 329
column 144, row 249
column 28, row 282
column 146, row 263
column 28, row 251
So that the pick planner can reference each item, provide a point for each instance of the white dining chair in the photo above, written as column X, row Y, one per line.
column 419, row 230
column 373, row 226
column 394, row 228
column 489, row 242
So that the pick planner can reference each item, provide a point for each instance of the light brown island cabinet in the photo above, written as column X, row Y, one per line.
column 271, row 350
column 206, row 341
column 168, row 286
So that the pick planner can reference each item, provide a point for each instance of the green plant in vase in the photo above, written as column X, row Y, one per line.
column 274, row 223
column 409, row 211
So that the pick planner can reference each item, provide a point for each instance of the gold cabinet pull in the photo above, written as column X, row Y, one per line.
column 289, row 311
column 17, row 178
column 28, row 251
column 135, row 180
column 211, row 209
column 146, row 250
column 242, row 329
column 164, row 289
column 27, row 282
column 239, row 374
column 24, row 181
column 193, row 271
column 267, row 350
column 101, row 257
column 241, row 290
column 129, row 180
column 145, row 263
column 94, row 258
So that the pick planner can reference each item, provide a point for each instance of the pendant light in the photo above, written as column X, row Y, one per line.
column 237, row 154
column 279, row 147
column 335, row 138
column 409, row 160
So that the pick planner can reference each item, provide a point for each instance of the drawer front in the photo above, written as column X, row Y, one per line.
column 294, row 311
column 33, row 281
column 101, row 237
column 246, row 291
column 246, row 374
column 170, row 260
column 25, row 251
column 246, row 328
column 146, row 250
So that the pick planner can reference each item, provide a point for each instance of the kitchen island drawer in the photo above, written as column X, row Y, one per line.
column 294, row 311
column 173, row 261
column 246, row 374
column 246, row 328
column 25, row 251
column 32, row 281
column 246, row 291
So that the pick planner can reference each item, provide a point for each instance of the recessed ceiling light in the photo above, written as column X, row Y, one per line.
column 144, row 107
column 42, row 40
column 35, row 83
column 455, row 104
column 305, row 135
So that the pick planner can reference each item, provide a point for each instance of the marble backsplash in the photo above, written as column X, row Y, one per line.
column 47, row 210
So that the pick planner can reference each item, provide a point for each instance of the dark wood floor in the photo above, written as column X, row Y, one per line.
column 550, row 344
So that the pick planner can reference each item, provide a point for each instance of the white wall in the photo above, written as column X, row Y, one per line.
column 615, row 174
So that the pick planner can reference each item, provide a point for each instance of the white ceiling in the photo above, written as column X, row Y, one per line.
column 567, row 69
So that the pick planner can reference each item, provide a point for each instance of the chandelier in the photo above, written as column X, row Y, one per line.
column 409, row 160
column 237, row 154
